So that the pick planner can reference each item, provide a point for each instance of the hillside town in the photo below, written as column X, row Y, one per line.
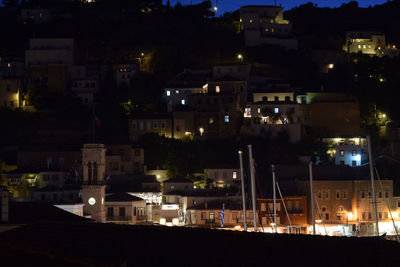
column 142, row 113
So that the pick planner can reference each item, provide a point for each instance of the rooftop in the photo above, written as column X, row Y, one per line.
column 122, row 197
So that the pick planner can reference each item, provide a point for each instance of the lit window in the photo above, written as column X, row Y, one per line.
column 251, row 20
column 177, row 92
column 342, row 153
column 183, row 101
column 247, row 112
column 211, row 120
column 217, row 89
column 168, row 93
column 276, row 110
column 226, row 118
column 234, row 175
column 272, row 30
column 359, row 46
column 266, row 29
column 259, row 110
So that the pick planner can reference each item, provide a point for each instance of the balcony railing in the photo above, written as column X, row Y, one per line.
column 118, row 218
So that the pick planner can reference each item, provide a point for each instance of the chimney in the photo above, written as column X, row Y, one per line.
column 4, row 199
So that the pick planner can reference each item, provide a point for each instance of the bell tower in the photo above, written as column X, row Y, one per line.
column 93, row 185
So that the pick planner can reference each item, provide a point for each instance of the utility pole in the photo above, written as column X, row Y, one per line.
column 371, row 168
column 253, row 187
column 243, row 193
column 274, row 194
column 312, row 195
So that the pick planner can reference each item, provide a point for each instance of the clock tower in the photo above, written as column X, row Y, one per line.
column 93, row 185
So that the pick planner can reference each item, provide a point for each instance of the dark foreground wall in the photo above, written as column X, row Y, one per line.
column 90, row 244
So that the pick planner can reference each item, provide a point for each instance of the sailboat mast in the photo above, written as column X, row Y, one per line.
column 312, row 196
column 243, row 193
column 253, row 187
column 371, row 168
column 274, row 194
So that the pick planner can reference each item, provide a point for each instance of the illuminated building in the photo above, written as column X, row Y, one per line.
column 366, row 42
column 266, row 25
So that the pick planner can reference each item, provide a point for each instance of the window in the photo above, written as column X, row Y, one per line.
column 327, row 216
column 353, row 163
column 264, row 99
column 362, row 194
column 337, row 194
column 217, row 89
column 353, row 152
column 369, row 195
column 203, row 215
column 148, row 125
column 177, row 128
column 168, row 93
column 263, row 207
column 342, row 153
column 211, row 120
column 234, row 175
column 276, row 110
column 287, row 98
column 276, row 98
column 319, row 195
column 369, row 215
column 258, row 110
column 122, row 211
column 163, row 125
column 183, row 101
column 326, row 194
column 341, row 163
column 226, row 119
column 110, row 212
column 212, row 216
column 386, row 194
column 344, row 194
column 177, row 92
column 137, row 152
column 141, row 125
column 380, row 195
column 398, row 203
column 155, row 125
column 364, row 215
column 380, row 215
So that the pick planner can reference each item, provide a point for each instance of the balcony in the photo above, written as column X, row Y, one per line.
column 118, row 218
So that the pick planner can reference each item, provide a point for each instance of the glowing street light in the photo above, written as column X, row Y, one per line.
column 240, row 57
column 201, row 130
column 330, row 66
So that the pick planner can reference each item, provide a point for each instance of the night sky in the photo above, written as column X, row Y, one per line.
column 230, row 5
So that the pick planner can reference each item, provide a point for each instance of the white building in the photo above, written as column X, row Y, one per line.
column 266, row 25
column 50, row 51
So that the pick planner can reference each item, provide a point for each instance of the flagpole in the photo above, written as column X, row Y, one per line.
column 243, row 193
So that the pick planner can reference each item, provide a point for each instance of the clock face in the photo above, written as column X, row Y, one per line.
column 92, row 201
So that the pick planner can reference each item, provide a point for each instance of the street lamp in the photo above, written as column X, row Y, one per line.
column 240, row 57
column 201, row 130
